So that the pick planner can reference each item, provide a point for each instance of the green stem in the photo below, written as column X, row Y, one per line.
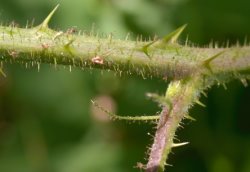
column 192, row 69
column 35, row 46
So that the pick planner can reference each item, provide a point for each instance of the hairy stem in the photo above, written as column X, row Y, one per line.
column 192, row 69
column 181, row 94
column 35, row 46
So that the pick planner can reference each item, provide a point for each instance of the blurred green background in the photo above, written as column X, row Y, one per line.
column 47, row 123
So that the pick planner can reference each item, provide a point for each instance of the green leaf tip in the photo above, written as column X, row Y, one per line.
column 173, row 36
column 45, row 23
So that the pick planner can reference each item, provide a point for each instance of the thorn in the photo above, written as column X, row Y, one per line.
column 186, row 41
column 227, row 44
column 45, row 23
column 68, row 48
column 145, row 48
column 92, row 29
column 244, row 82
column 190, row 117
column 179, row 144
column 38, row 66
column 69, row 43
column 127, row 37
column 204, row 93
column 2, row 72
column 224, row 86
column 173, row 36
column 55, row 63
column 110, row 37
column 207, row 62
column 27, row 24
column 200, row 103
column 166, row 164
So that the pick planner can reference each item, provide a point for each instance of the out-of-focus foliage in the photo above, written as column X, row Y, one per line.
column 46, row 119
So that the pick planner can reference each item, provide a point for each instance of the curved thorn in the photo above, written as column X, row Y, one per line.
column 45, row 23
column 179, row 144
column 145, row 48
column 68, row 48
column 224, row 86
column 204, row 93
column 207, row 62
column 173, row 36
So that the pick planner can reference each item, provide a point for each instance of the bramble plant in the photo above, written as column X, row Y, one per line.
column 190, row 70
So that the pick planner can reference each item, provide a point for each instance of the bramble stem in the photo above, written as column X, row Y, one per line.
column 35, row 46
column 182, row 95
column 191, row 69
